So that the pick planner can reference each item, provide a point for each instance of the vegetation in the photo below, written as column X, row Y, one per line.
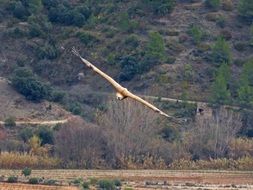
column 26, row 171
column 106, row 184
column 27, row 84
column 245, row 91
column 245, row 8
column 197, row 33
column 221, row 52
column 33, row 180
column 12, row 179
column 220, row 91
column 10, row 122
column 213, row 4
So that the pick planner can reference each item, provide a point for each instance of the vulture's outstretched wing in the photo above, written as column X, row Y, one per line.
column 116, row 85
column 137, row 98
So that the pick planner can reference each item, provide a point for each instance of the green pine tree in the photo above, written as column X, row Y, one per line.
column 156, row 47
column 221, row 52
column 220, row 91
column 245, row 90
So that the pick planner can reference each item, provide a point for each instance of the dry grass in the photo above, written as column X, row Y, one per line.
column 244, row 163
column 14, row 160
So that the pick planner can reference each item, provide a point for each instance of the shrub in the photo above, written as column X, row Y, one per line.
column 45, row 134
column 169, row 133
column 33, row 180
column 126, row 24
column 10, row 122
column 50, row 182
column 15, row 33
column 196, row 33
column 85, row 185
column 117, row 182
column 77, row 181
column 87, row 38
column 12, row 179
column 20, row 11
column 69, row 16
column 132, row 41
column 106, row 184
column 25, row 134
column 26, row 171
column 47, row 51
column 129, row 67
column 28, row 85
column 156, row 47
column 160, row 7
column 39, row 26
column 245, row 8
column 221, row 52
column 213, row 4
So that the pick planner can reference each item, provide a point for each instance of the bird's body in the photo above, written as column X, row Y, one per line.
column 121, row 92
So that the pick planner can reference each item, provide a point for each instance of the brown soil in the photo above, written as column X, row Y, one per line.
column 153, row 179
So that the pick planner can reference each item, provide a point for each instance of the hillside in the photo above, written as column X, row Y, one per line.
column 190, row 50
column 15, row 105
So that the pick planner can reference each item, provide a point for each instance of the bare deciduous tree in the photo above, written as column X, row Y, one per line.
column 131, row 130
column 210, row 137
column 81, row 145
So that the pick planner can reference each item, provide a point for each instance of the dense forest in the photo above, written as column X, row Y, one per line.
column 184, row 49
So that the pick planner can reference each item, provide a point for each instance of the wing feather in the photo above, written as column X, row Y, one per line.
column 116, row 85
column 137, row 98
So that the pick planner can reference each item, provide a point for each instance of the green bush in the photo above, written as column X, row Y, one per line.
column 28, row 85
column 12, row 179
column 156, row 46
column 196, row 33
column 67, row 15
column 221, row 52
column 10, row 122
column 126, row 24
column 45, row 134
column 245, row 8
column 25, row 134
column 33, row 180
column 87, row 38
column 132, row 41
column 39, row 26
column 47, row 51
column 129, row 67
column 85, row 185
column 117, row 182
column 169, row 133
column 20, row 11
column 26, row 172
column 213, row 4
column 160, row 7
column 50, row 182
column 106, row 184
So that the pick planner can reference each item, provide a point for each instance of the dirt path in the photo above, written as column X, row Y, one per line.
column 52, row 122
